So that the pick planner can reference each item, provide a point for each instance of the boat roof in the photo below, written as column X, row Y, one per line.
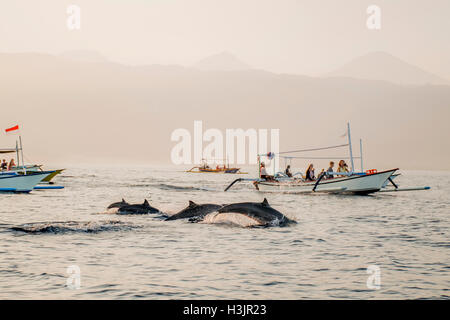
column 7, row 150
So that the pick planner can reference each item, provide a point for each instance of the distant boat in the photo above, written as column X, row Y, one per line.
column 206, row 168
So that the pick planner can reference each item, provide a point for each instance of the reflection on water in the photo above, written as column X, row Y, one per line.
column 325, row 255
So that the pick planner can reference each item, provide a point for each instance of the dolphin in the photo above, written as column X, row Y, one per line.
column 144, row 208
column 195, row 211
column 118, row 204
column 262, row 213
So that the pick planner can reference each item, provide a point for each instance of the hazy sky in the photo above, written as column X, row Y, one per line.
column 294, row 36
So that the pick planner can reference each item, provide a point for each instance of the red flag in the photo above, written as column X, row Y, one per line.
column 12, row 129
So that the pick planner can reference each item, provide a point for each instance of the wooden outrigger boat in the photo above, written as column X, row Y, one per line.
column 205, row 168
column 353, row 182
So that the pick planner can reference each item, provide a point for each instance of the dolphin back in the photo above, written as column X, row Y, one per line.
column 195, row 211
column 144, row 208
column 118, row 204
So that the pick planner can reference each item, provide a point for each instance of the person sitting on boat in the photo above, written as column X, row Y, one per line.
column 330, row 170
column 263, row 173
column 322, row 172
column 11, row 164
column 342, row 167
column 309, row 176
column 4, row 165
column 288, row 171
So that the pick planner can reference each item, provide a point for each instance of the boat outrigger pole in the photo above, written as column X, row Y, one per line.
column 242, row 179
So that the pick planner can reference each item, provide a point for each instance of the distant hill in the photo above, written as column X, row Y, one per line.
column 223, row 61
column 81, row 112
column 84, row 56
column 386, row 67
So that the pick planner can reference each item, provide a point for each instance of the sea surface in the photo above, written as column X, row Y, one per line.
column 402, row 237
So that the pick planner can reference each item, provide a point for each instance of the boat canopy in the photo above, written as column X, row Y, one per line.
column 288, row 156
column 8, row 150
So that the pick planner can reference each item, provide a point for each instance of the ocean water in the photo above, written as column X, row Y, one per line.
column 326, row 255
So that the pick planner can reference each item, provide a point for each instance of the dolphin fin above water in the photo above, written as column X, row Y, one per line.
column 192, row 204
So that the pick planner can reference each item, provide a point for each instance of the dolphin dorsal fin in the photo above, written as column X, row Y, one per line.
column 123, row 200
column 146, row 203
column 265, row 202
column 192, row 204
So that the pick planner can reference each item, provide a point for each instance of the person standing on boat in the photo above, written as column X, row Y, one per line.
column 288, row 171
column 11, row 165
column 342, row 166
column 4, row 165
column 330, row 170
column 309, row 176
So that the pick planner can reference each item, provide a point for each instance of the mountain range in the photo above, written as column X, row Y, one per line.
column 223, row 61
column 385, row 67
column 73, row 111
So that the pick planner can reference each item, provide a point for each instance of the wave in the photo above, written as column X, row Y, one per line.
column 72, row 227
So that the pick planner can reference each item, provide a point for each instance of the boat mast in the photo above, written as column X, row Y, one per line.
column 361, row 154
column 274, row 165
column 350, row 145
column 259, row 166
column 21, row 152
column 17, row 153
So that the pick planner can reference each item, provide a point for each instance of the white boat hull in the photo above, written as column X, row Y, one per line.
column 362, row 184
column 20, row 183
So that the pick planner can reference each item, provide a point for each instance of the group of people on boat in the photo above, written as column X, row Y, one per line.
column 5, row 166
column 310, row 172
column 205, row 166
column 329, row 174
